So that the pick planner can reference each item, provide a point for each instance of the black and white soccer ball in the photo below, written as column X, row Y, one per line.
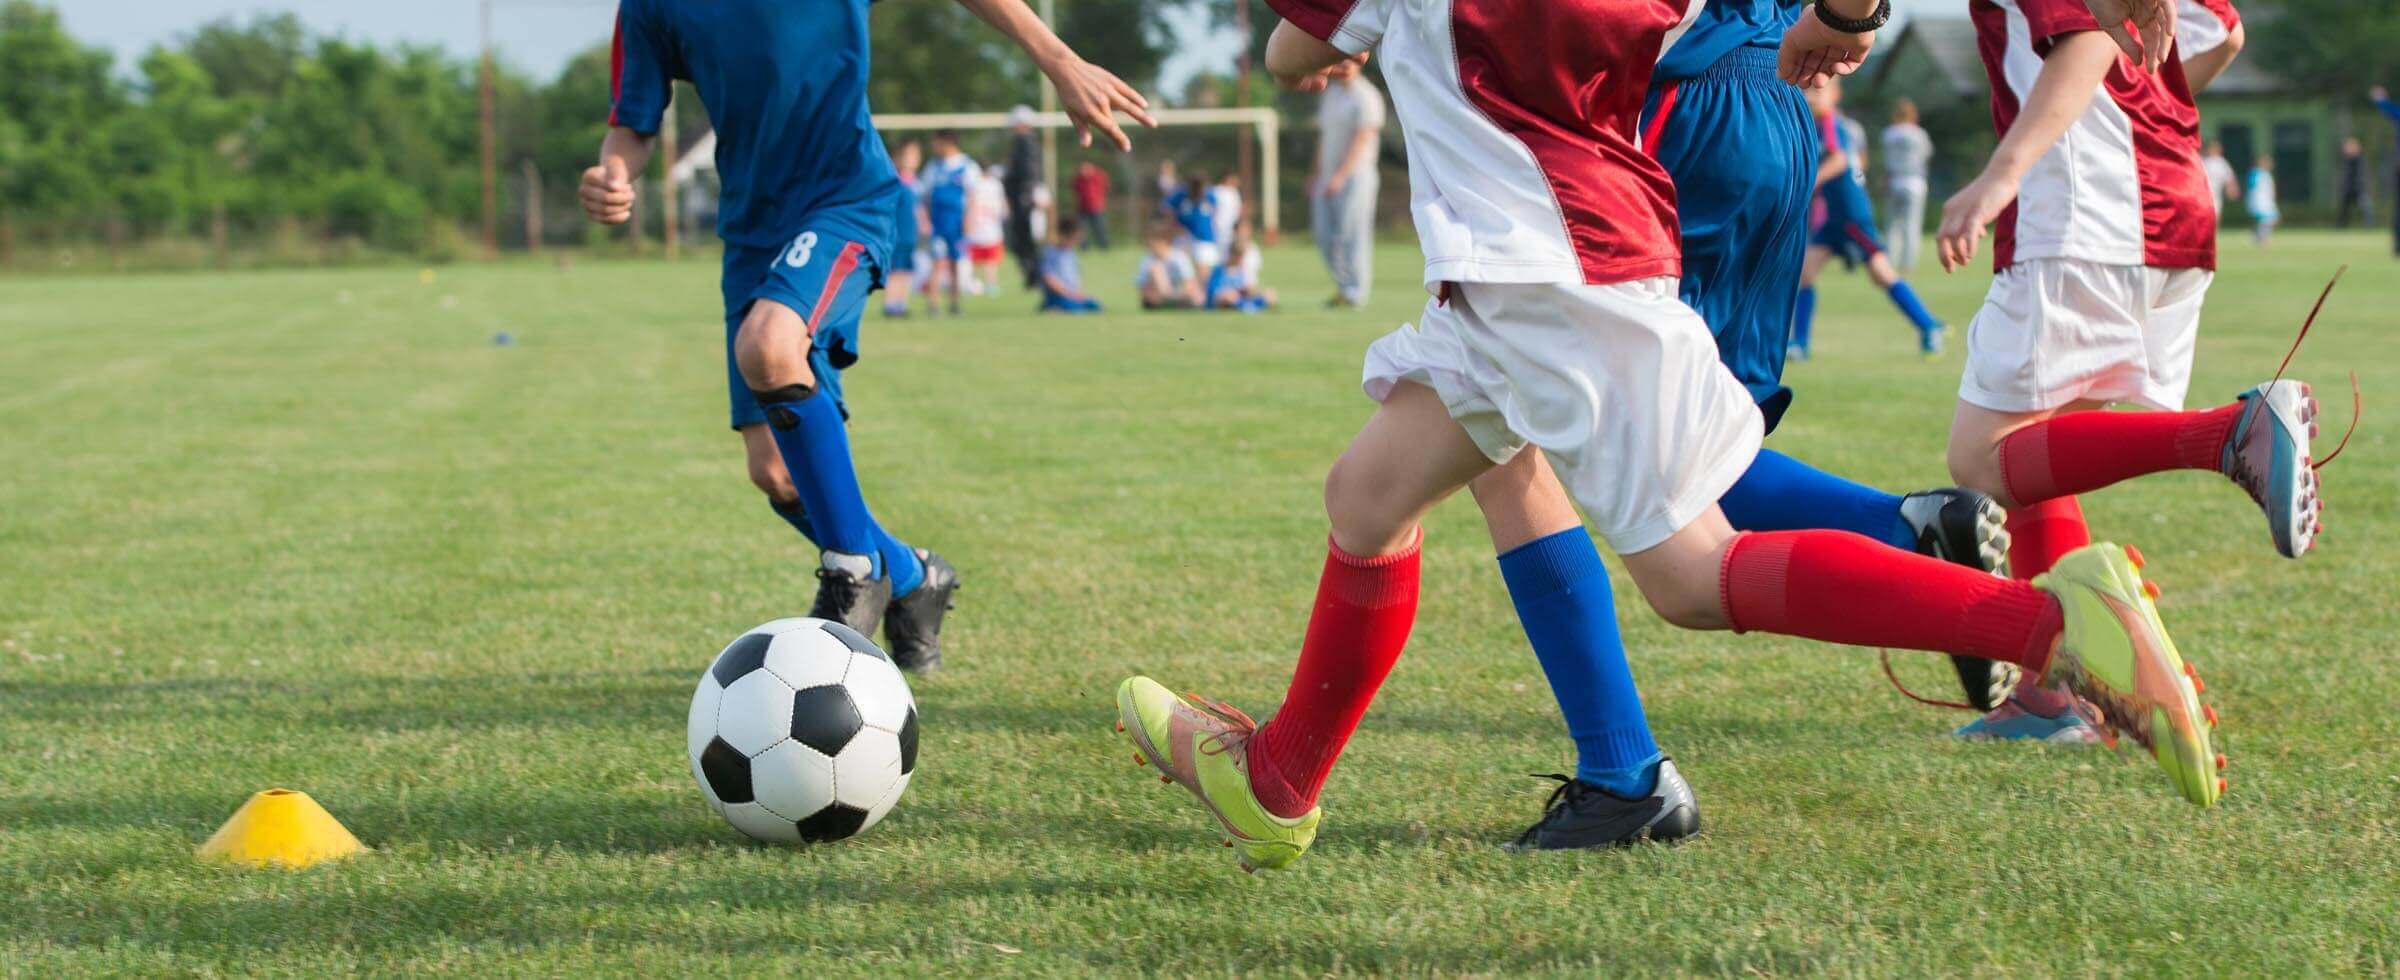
column 802, row 730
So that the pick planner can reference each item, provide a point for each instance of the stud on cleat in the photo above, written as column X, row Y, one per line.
column 2150, row 589
column 2134, row 555
column 1139, row 760
column 2210, row 712
column 2220, row 761
column 1166, row 779
column 2220, row 785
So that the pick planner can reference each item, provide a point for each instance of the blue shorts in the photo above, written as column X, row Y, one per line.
column 1849, row 228
column 823, row 276
column 1739, row 145
column 949, row 238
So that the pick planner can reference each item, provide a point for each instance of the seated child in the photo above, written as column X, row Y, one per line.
column 1234, row 285
column 1062, row 273
column 1166, row 278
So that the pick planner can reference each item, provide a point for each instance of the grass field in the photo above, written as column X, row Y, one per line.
column 313, row 529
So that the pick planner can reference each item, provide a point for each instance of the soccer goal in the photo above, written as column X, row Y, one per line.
column 1263, row 121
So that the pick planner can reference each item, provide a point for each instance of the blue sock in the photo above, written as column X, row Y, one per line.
column 1779, row 493
column 1906, row 299
column 1560, row 589
column 815, row 446
column 1804, row 318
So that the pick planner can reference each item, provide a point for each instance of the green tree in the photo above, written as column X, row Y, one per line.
column 2331, row 46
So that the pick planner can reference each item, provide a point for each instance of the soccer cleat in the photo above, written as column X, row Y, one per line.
column 2115, row 653
column 1580, row 815
column 1963, row 527
column 1929, row 341
column 2013, row 721
column 912, row 624
column 1203, row 745
column 849, row 597
column 2267, row 453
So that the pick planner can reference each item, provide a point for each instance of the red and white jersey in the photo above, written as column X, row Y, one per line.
column 1524, row 163
column 2124, row 185
column 2202, row 25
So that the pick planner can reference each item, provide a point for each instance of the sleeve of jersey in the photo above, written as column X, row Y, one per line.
column 2047, row 19
column 1352, row 26
column 640, row 79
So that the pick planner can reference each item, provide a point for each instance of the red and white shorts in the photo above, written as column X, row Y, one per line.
column 1619, row 384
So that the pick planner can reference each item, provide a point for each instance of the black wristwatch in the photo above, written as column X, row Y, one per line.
column 1873, row 21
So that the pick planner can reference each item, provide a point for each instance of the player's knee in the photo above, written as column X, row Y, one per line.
column 1976, row 467
column 1688, row 605
column 1366, row 514
column 772, row 347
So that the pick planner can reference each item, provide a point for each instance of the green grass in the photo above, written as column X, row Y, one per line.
column 312, row 529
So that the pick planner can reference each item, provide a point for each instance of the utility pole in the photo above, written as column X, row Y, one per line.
column 670, row 209
column 489, row 137
column 1050, row 104
column 1243, row 149
column 533, row 208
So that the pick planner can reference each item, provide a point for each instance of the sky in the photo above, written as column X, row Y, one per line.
column 537, row 36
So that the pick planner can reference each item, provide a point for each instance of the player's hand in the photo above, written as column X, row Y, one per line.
column 2144, row 29
column 607, row 193
column 1814, row 53
column 1321, row 79
column 1335, row 183
column 1966, row 215
column 1092, row 96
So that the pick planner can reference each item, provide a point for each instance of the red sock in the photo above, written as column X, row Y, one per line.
column 1365, row 607
column 2041, row 534
column 1843, row 588
column 2080, row 452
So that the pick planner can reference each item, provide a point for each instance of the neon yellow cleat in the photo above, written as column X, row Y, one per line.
column 1199, row 743
column 2117, row 655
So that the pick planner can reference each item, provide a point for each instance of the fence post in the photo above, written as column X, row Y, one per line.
column 533, row 208
column 8, row 239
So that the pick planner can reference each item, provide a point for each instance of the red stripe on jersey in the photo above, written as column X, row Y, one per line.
column 1567, row 79
column 843, row 265
column 616, row 69
column 1320, row 18
column 1658, row 118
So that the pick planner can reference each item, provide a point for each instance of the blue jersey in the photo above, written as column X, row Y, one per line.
column 1197, row 213
column 945, row 181
column 785, row 83
column 1722, row 27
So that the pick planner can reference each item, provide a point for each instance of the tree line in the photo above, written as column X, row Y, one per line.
column 245, row 129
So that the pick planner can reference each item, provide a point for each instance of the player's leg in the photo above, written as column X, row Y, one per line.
column 1262, row 781
column 1358, row 235
column 1903, row 296
column 1804, row 309
column 1622, row 790
column 2030, row 352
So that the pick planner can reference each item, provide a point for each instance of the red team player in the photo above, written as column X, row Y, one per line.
column 1551, row 248
column 2105, row 240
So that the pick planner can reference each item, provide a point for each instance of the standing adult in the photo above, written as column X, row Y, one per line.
column 2391, row 111
column 1344, row 181
column 1023, row 175
column 2352, row 191
column 1906, row 152
column 1091, row 203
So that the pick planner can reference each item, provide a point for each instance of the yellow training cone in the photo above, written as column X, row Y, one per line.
column 280, row 827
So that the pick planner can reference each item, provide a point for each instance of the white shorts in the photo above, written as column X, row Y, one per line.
column 1619, row 384
column 1206, row 255
column 2055, row 331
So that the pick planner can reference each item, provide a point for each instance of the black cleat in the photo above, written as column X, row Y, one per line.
column 912, row 624
column 848, row 598
column 1963, row 527
column 1580, row 814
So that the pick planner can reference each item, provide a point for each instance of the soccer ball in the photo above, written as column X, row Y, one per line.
column 802, row 731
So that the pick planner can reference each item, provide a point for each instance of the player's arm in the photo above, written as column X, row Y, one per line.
column 607, row 189
column 2201, row 70
column 1299, row 60
column 1354, row 156
column 2070, row 78
column 1090, row 95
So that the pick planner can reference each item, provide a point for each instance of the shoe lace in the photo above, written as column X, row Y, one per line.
column 1238, row 726
column 838, row 589
column 2357, row 400
column 1562, row 800
column 1894, row 676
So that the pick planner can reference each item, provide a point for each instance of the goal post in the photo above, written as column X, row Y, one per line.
column 1260, row 119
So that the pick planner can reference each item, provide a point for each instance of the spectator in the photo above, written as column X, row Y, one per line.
column 1168, row 186
column 1091, row 203
column 908, row 229
column 1062, row 272
column 2391, row 111
column 1235, row 285
column 2352, row 191
column 987, row 216
column 1166, row 278
column 1906, row 150
column 1196, row 210
column 2221, row 187
column 2260, row 195
column 1024, row 174
column 1345, row 179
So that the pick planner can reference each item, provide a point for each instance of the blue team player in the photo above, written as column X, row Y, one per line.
column 808, row 202
column 1849, row 230
column 1740, row 146
column 946, row 180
